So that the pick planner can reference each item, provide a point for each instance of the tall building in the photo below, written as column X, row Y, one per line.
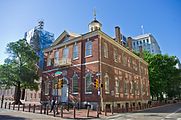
column 93, row 68
column 39, row 39
column 148, row 43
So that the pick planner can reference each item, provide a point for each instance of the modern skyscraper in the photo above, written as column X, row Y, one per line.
column 148, row 43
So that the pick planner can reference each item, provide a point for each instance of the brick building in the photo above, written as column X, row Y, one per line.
column 81, row 59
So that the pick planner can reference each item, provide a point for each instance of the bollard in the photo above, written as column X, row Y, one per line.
column 97, row 111
column 122, row 108
column 61, row 112
column 88, row 111
column 9, row 105
column 112, row 109
column 34, row 108
column 105, row 111
column 23, row 107
column 18, row 106
column 29, row 107
column 74, row 112
column 40, row 109
column 5, row 105
column 2, row 101
column 47, row 109
column 131, row 108
column 13, row 106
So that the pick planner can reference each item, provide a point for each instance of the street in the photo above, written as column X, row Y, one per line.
column 167, row 112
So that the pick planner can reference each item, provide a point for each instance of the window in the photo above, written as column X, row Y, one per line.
column 56, row 57
column 115, row 55
column 143, row 41
column 140, row 42
column 88, row 83
column 88, row 48
column 35, row 95
column 65, row 52
column 75, row 83
column 75, row 51
column 124, row 60
column 46, row 87
column 147, row 40
column 125, row 88
column 48, row 60
column 105, row 50
column 106, row 79
column 117, row 85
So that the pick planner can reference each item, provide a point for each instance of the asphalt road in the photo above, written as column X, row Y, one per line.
column 166, row 112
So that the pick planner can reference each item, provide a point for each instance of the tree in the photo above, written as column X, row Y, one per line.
column 20, row 69
column 163, row 75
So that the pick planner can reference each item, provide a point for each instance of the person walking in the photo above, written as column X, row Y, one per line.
column 52, row 104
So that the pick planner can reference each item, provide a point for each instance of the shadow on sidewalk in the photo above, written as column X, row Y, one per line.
column 8, row 117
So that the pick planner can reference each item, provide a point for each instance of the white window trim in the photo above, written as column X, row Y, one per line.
column 75, row 93
column 86, row 48
column 85, row 84
column 77, row 52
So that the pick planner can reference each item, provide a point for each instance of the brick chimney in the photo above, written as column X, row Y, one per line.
column 129, row 43
column 118, row 34
column 141, row 51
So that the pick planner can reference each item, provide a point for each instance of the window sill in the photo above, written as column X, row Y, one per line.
column 88, row 92
column 75, row 58
column 75, row 93
column 88, row 56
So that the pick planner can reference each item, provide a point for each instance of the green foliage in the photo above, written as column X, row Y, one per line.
column 163, row 75
column 20, row 68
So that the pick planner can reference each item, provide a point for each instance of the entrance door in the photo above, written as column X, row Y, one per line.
column 64, row 95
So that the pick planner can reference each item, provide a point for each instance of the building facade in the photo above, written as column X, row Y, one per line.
column 148, row 43
column 81, row 59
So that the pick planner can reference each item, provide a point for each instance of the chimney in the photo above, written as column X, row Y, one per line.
column 129, row 43
column 118, row 34
column 141, row 51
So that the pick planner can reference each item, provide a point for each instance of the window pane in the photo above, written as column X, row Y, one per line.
column 88, row 48
column 75, row 83
column 75, row 52
column 65, row 52
column 88, row 83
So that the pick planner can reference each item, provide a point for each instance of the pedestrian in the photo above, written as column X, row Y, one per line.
column 52, row 104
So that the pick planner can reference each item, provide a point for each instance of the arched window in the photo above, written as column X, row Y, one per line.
column 75, row 83
column 88, row 83
column 105, row 50
column 88, row 48
column 106, row 80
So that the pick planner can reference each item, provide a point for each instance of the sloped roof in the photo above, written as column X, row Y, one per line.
column 63, row 35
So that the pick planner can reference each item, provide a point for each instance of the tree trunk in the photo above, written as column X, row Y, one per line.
column 17, row 94
column 23, row 94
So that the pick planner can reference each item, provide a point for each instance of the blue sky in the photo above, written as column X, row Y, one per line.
column 162, row 18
